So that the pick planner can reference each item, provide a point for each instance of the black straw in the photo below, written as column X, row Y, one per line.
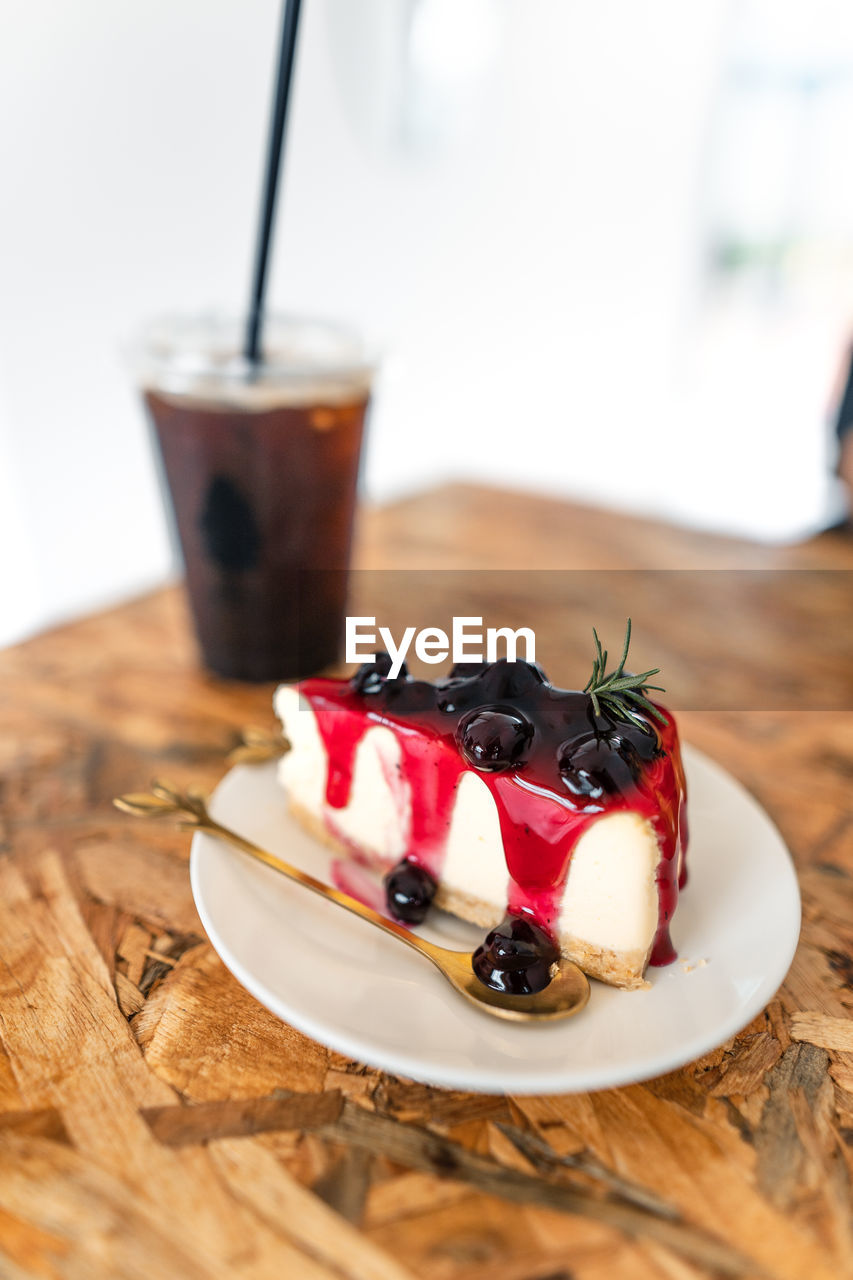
column 278, row 124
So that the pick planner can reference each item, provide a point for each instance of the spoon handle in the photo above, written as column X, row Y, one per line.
column 191, row 810
column 212, row 827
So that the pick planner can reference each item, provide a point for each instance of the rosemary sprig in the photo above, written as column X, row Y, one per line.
column 623, row 696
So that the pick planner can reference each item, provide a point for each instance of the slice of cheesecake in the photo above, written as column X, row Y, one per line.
column 502, row 796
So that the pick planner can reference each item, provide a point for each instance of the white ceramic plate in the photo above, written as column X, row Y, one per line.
column 341, row 981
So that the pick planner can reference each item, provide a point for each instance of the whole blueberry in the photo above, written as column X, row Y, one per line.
column 596, row 765
column 371, row 676
column 409, row 891
column 492, row 738
column 516, row 957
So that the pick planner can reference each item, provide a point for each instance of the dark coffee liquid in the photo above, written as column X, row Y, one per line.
column 263, row 502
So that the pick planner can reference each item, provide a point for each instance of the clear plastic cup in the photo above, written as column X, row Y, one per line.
column 261, row 466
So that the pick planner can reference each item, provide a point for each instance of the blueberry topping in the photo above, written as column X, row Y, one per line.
column 598, row 764
column 407, row 697
column 642, row 740
column 516, row 957
column 505, row 679
column 465, row 670
column 409, row 891
column 450, row 698
column 371, row 676
column 490, row 710
column 462, row 689
column 492, row 738
column 645, row 744
column 453, row 697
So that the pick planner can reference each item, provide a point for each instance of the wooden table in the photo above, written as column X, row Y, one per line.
column 155, row 1121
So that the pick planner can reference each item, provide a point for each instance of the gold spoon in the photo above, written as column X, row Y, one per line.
column 566, row 993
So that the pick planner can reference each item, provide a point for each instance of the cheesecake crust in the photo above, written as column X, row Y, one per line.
column 617, row 968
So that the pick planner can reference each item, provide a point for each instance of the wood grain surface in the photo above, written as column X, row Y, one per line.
column 156, row 1121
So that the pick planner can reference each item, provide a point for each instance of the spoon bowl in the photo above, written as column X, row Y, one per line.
column 565, row 994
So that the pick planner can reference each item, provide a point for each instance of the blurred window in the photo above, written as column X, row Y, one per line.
column 779, row 201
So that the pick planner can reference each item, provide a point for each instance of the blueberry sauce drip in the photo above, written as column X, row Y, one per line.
column 409, row 891
column 516, row 957
column 551, row 764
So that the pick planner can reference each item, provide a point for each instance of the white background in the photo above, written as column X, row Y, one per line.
column 517, row 198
